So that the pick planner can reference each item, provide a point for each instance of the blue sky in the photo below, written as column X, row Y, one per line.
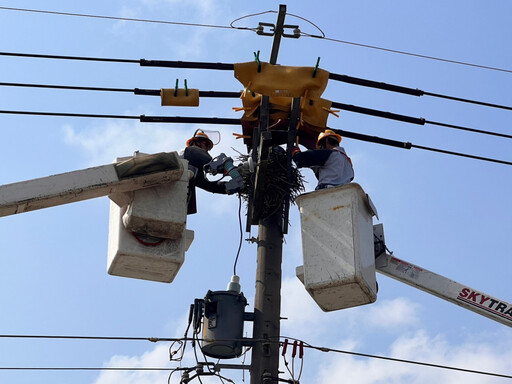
column 448, row 214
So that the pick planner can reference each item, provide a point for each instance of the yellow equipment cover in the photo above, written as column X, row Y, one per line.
column 312, row 111
column 281, row 80
column 181, row 99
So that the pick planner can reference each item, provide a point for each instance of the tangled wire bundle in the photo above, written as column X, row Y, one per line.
column 276, row 183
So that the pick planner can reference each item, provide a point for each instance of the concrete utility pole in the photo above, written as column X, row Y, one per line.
column 267, row 301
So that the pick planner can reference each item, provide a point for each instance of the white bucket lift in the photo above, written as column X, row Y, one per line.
column 139, row 257
column 338, row 250
column 147, row 231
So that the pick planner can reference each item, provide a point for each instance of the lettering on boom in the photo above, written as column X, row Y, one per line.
column 487, row 303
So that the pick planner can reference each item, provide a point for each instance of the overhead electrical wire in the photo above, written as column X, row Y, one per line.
column 465, row 370
column 414, row 54
column 231, row 26
column 230, row 121
column 117, row 18
column 224, row 94
column 306, row 345
column 230, row 67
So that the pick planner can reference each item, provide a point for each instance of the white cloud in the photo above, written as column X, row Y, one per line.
column 423, row 348
column 105, row 142
column 351, row 331
column 394, row 313
column 158, row 357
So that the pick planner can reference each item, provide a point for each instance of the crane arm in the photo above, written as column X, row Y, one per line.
column 440, row 286
column 137, row 172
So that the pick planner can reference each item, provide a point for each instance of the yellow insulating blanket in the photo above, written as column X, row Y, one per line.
column 312, row 111
column 181, row 99
column 280, row 80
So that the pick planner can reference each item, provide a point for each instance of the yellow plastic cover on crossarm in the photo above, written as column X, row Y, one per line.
column 313, row 111
column 181, row 99
column 281, row 80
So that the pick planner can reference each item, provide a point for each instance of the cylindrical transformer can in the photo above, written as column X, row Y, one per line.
column 223, row 324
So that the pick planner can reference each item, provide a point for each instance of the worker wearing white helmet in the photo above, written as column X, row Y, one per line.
column 329, row 161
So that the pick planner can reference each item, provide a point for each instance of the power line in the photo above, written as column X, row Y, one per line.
column 155, row 339
column 117, row 18
column 230, row 67
column 231, row 26
column 70, row 337
column 83, row 369
column 217, row 94
column 229, row 121
column 389, row 50
column 465, row 370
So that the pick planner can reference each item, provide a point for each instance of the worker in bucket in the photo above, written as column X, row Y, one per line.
column 329, row 161
column 196, row 152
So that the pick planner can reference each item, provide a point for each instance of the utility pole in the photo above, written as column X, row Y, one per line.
column 267, row 301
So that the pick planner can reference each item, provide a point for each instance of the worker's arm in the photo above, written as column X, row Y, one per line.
column 197, row 158
column 312, row 157
column 210, row 186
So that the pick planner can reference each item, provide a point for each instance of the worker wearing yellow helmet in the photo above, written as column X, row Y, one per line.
column 329, row 161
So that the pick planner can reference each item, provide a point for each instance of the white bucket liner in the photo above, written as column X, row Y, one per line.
column 338, row 250
column 159, row 211
column 137, row 256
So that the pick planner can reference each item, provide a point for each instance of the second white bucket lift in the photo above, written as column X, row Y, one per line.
column 337, row 244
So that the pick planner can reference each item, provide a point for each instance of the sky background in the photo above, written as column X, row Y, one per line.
column 448, row 214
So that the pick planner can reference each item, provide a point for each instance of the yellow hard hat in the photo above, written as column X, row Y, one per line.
column 328, row 133
column 200, row 135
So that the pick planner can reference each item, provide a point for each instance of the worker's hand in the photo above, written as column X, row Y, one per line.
column 295, row 150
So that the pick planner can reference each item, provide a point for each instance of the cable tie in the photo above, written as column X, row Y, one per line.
column 257, row 59
column 316, row 67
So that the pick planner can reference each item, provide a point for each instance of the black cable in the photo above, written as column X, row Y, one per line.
column 408, row 145
column 136, row 91
column 74, row 337
column 64, row 57
column 241, row 232
column 228, row 66
column 65, row 114
column 307, row 345
column 252, row 29
column 227, row 121
column 324, row 349
column 461, row 154
column 82, row 369
column 116, row 18
column 412, row 54
column 492, row 105
column 223, row 94
column 412, row 120
column 247, row 16
column 71, row 87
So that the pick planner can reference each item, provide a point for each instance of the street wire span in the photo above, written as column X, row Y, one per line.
column 229, row 121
